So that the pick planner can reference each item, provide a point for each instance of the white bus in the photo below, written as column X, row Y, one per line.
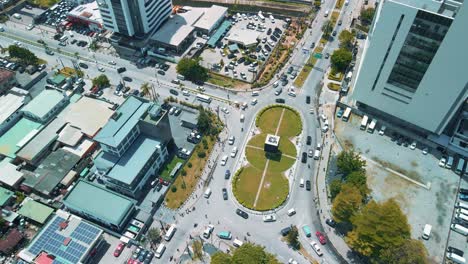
column 203, row 98
column 170, row 232
column 371, row 127
column 160, row 250
column 461, row 164
column 364, row 121
column 346, row 114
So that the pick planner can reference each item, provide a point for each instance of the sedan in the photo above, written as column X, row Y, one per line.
column 330, row 222
column 308, row 185
column 127, row 79
column 307, row 99
column 242, row 214
column 304, row 157
column 442, row 162
column 227, row 174
column 309, row 140
column 280, row 100
column 269, row 218
column 224, row 160
column 101, row 69
column 83, row 65
column 321, row 237
column 225, row 194
column 119, row 249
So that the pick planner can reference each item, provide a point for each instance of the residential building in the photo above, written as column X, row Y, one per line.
column 412, row 69
column 35, row 211
column 7, row 80
column 10, row 105
column 10, row 241
column 45, row 105
column 135, row 18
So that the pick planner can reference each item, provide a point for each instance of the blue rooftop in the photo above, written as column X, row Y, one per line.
column 131, row 163
column 125, row 118
column 217, row 35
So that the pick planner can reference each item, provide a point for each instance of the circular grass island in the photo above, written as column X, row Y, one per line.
column 261, row 185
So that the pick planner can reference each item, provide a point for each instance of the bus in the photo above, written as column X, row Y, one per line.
column 346, row 114
column 364, row 121
column 170, row 232
column 371, row 127
column 461, row 164
column 203, row 98
column 225, row 235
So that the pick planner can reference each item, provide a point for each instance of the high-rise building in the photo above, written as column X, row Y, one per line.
column 413, row 70
column 134, row 18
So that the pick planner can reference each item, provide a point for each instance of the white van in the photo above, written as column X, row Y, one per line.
column 255, row 93
column 17, row 16
column 207, row 193
column 208, row 231
column 455, row 258
column 160, row 250
column 242, row 117
column 460, row 229
column 237, row 243
column 461, row 205
column 317, row 154
column 301, row 183
column 462, row 211
column 460, row 165
column 427, row 231
column 326, row 13
column 292, row 212
column 462, row 217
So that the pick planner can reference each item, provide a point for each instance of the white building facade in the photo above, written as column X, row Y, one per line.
column 134, row 18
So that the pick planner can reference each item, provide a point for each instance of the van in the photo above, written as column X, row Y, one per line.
column 255, row 93
column 181, row 77
column 449, row 163
column 17, row 16
column 456, row 258
column 462, row 217
column 63, row 38
column 301, row 183
column 208, row 231
column 460, row 229
column 207, row 193
column 461, row 205
column 460, row 165
column 242, row 117
column 317, row 154
column 237, row 243
column 160, row 250
column 326, row 13
column 427, row 231
column 292, row 212
column 462, row 211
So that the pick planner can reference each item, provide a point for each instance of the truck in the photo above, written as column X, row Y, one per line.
column 371, row 127
column 346, row 114
column 364, row 122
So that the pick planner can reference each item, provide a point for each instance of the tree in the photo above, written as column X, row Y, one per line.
column 317, row 4
column 192, row 70
column 293, row 238
column 221, row 258
column 378, row 227
column 341, row 58
column 335, row 188
column 346, row 38
column 101, row 81
column 197, row 246
column 154, row 236
column 359, row 180
column 205, row 122
column 347, row 203
column 24, row 56
column 410, row 252
column 349, row 161
column 327, row 28
column 252, row 254
column 367, row 15
column 146, row 89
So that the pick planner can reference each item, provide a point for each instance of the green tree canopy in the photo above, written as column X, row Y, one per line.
column 293, row 238
column 335, row 188
column 359, row 180
column 327, row 28
column 367, row 14
column 154, row 235
column 349, row 161
column 101, row 81
column 221, row 258
column 346, row 38
column 379, row 226
column 253, row 254
column 410, row 252
column 24, row 56
column 347, row 203
column 192, row 70
column 341, row 58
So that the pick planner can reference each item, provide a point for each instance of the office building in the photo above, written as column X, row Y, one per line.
column 412, row 72
column 135, row 18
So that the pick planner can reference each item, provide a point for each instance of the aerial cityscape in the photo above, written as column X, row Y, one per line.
column 243, row 132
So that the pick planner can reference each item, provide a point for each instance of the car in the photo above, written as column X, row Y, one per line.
column 49, row 52
column 233, row 152
column 225, row 194
column 224, row 160
column 30, row 27
column 269, row 218
column 225, row 110
column 309, row 140
column 101, row 69
column 334, row 33
column 121, row 69
column 83, row 65
column 278, row 91
column 112, row 62
column 227, row 174
column 425, row 151
column 304, row 157
column 174, row 92
column 308, row 185
column 321, row 237
column 73, row 41
column 463, row 191
column 161, row 72
column 142, row 255
column 456, row 251
column 307, row 99
column 413, row 145
column 280, row 100
column 312, row 45
column 231, row 140
column 119, row 249
column 242, row 214
column 316, row 248
column 340, row 22
column 340, row 112
column 149, row 257
column 327, row 55
column 463, row 197
column 285, row 231
column 330, row 222
column 127, row 79
column 292, row 261
column 442, row 162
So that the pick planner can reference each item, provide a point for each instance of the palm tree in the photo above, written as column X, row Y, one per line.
column 154, row 236
column 145, row 89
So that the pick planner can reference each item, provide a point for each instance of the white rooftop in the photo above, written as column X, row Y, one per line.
column 243, row 36
column 88, row 11
column 9, row 104
column 8, row 173
column 211, row 15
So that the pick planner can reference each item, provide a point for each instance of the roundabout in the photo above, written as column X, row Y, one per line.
column 261, row 184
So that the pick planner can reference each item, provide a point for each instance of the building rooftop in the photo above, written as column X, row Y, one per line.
column 18, row 135
column 8, row 173
column 51, row 171
column 272, row 140
column 57, row 79
column 219, row 32
column 10, row 241
column 243, row 36
column 70, row 135
column 122, row 122
column 87, row 114
column 126, row 168
column 9, row 104
column 5, row 75
column 210, row 16
column 81, row 148
column 66, row 237
column 43, row 103
column 89, row 11
column 35, row 211
column 99, row 202
column 5, row 195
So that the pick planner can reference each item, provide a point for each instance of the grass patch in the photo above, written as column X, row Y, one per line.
column 256, row 157
column 291, row 124
column 44, row 3
column 302, row 77
column 246, row 185
column 168, row 167
column 335, row 76
column 274, row 191
column 186, row 184
column 333, row 86
column 287, row 147
column 339, row 4
column 334, row 17
column 257, row 140
column 224, row 81
column 268, row 120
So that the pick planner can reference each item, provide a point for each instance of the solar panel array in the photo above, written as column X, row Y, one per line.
column 53, row 242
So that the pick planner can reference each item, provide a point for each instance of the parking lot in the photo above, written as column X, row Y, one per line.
column 425, row 192
column 242, row 63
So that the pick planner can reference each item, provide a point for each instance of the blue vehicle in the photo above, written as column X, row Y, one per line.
column 463, row 197
column 340, row 112
column 225, row 235
column 306, row 230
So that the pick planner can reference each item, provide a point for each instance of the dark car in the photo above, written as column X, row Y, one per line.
column 127, row 79
column 456, row 251
column 334, row 33
column 308, row 185
column 174, row 92
column 284, row 82
column 272, row 37
column 253, row 56
column 40, row 41
column 307, row 99
column 135, row 92
column 242, row 214
column 464, row 191
column 280, row 100
column 267, row 47
column 83, row 65
column 225, row 195
column 269, row 31
column 231, row 56
column 161, row 72
column 312, row 45
column 309, row 140
column 327, row 55
column 121, row 69
column 330, row 222
column 304, row 157
column 227, row 174
column 158, row 186
column 285, row 231
column 73, row 41
column 241, row 60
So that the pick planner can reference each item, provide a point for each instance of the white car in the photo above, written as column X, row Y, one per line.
column 254, row 101
column 442, row 162
column 413, row 145
column 101, row 69
column 209, row 229
column 30, row 27
column 425, row 151
column 185, row 93
column 112, row 63
column 225, row 110
column 200, row 88
column 316, row 248
column 231, row 140
column 224, row 160
column 269, row 218
column 233, row 152
column 311, row 153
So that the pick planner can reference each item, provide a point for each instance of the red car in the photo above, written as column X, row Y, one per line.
column 119, row 249
column 130, row 261
column 321, row 237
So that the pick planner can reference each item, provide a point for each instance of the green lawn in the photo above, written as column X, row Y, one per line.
column 287, row 147
column 274, row 192
column 257, row 140
column 167, row 168
column 268, row 121
column 256, row 157
column 301, row 78
column 246, row 185
column 291, row 124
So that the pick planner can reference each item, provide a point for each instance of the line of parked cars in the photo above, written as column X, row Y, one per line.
column 56, row 15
